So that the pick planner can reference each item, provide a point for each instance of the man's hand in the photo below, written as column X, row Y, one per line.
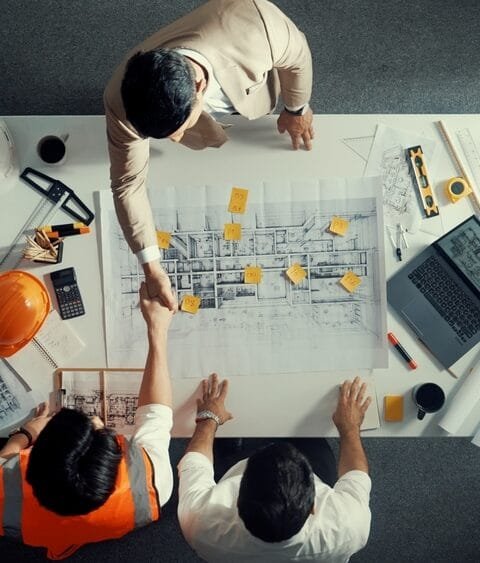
column 213, row 398
column 352, row 406
column 159, row 286
column 36, row 424
column 155, row 314
column 299, row 127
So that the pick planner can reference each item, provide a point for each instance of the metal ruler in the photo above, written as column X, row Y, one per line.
column 471, row 153
column 56, row 195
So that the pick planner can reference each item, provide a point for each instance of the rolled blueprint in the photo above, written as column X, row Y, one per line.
column 476, row 439
column 463, row 403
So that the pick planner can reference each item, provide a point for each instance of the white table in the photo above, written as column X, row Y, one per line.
column 282, row 405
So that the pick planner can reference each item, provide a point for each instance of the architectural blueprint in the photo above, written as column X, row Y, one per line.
column 387, row 157
column 275, row 326
column 16, row 402
column 110, row 395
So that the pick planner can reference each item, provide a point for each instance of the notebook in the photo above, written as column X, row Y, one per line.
column 438, row 293
column 54, row 345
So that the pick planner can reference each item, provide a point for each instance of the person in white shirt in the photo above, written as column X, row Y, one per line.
column 272, row 507
column 69, row 471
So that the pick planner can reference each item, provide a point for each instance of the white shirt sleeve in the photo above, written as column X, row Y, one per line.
column 153, row 424
column 2, row 460
column 353, row 492
column 148, row 254
column 195, row 474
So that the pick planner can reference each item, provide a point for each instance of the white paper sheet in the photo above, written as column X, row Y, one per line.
column 16, row 402
column 275, row 327
column 387, row 157
column 463, row 402
column 84, row 391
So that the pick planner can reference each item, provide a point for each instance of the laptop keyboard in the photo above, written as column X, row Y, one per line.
column 447, row 297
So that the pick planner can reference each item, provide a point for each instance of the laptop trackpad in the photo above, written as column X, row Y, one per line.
column 434, row 331
column 416, row 315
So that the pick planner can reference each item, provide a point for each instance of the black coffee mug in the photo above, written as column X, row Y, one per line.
column 428, row 397
column 52, row 150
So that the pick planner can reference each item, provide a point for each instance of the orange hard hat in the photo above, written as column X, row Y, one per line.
column 24, row 305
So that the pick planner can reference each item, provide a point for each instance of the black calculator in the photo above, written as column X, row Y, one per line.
column 68, row 295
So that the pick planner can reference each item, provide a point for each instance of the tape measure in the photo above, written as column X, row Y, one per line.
column 420, row 175
column 456, row 189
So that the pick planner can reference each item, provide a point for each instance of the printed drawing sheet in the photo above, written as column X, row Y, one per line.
column 16, row 402
column 272, row 327
column 388, row 157
column 112, row 396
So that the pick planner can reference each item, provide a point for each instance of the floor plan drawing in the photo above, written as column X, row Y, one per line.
column 16, row 402
column 112, row 396
column 274, row 325
column 388, row 158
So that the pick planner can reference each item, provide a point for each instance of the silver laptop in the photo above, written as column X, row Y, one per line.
column 438, row 293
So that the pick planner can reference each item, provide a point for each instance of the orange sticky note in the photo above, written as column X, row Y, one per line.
column 393, row 408
column 350, row 281
column 163, row 239
column 253, row 274
column 339, row 226
column 232, row 231
column 238, row 200
column 190, row 304
column 296, row 273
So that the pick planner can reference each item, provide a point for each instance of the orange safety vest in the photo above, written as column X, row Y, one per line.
column 133, row 503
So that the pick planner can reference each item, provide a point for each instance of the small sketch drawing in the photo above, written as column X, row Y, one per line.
column 9, row 404
column 398, row 190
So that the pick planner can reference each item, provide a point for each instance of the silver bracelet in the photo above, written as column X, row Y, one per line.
column 206, row 415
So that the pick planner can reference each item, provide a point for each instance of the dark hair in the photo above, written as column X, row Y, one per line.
column 277, row 492
column 158, row 92
column 73, row 466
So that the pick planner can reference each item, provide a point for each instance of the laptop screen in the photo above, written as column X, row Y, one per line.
column 462, row 247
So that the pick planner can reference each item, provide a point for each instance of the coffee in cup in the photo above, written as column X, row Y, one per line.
column 429, row 397
column 52, row 150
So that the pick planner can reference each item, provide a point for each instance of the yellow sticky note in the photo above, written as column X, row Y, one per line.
column 238, row 200
column 350, row 281
column 163, row 239
column 296, row 273
column 253, row 274
column 339, row 226
column 232, row 231
column 393, row 411
column 190, row 304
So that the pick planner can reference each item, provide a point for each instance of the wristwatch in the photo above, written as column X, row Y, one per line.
column 300, row 111
column 208, row 415
column 23, row 431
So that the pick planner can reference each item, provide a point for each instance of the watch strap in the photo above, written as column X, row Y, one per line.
column 300, row 111
column 208, row 415
column 25, row 432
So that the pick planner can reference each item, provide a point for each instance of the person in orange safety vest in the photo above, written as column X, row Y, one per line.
column 67, row 480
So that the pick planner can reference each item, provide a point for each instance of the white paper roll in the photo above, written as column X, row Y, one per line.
column 476, row 439
column 463, row 403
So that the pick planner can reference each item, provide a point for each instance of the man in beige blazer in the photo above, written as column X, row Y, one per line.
column 237, row 56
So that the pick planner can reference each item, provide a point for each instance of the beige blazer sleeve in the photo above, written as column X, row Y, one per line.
column 290, row 53
column 129, row 155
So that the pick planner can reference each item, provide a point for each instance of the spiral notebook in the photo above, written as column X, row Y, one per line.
column 54, row 345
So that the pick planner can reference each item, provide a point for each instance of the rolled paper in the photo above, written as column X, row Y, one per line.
column 463, row 402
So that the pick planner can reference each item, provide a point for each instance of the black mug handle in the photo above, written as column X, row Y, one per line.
column 420, row 414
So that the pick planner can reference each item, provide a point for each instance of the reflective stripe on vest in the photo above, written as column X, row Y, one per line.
column 133, row 503
column 12, row 499
column 138, row 484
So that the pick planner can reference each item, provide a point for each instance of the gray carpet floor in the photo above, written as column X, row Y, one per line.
column 370, row 56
